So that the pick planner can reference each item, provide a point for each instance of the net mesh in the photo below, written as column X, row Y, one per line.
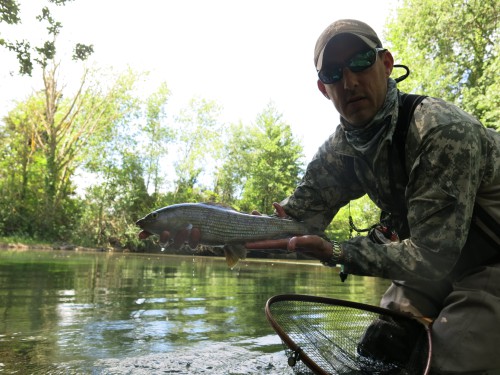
column 328, row 337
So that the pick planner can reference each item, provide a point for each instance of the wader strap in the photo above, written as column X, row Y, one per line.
column 396, row 151
column 485, row 223
column 408, row 104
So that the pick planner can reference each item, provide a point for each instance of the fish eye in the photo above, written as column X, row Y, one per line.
column 154, row 215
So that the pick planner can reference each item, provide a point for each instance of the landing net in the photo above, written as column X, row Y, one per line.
column 330, row 336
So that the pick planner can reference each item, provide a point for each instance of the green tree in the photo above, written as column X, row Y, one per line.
column 199, row 137
column 233, row 169
column 112, row 206
column 452, row 49
column 45, row 144
column 158, row 135
column 126, row 163
column 270, row 164
column 21, row 170
column 55, row 127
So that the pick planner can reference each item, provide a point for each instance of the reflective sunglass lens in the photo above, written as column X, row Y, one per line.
column 329, row 77
column 362, row 61
column 356, row 64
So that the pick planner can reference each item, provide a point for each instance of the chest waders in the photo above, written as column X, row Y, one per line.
column 397, row 150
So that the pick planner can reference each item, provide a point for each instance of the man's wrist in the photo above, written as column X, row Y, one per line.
column 337, row 255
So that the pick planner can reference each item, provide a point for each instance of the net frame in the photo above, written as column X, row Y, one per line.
column 298, row 354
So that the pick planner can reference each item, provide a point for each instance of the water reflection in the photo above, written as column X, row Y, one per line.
column 76, row 308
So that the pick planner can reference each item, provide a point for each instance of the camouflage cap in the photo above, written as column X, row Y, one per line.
column 347, row 26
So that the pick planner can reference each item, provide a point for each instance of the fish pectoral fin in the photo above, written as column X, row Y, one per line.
column 234, row 253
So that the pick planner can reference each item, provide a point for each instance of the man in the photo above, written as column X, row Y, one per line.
column 443, row 199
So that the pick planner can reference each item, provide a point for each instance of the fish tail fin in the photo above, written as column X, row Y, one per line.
column 234, row 253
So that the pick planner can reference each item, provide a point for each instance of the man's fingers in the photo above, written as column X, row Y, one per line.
column 164, row 236
column 307, row 241
column 195, row 237
column 290, row 244
column 311, row 245
column 181, row 237
column 268, row 244
column 279, row 210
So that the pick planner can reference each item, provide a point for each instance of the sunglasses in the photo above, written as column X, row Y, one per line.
column 358, row 63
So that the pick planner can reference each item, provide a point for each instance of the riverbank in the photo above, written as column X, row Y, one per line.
column 41, row 246
column 200, row 251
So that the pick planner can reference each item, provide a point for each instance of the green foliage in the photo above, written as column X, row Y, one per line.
column 82, row 51
column 125, row 159
column 199, row 144
column 21, row 172
column 158, row 135
column 9, row 13
column 364, row 214
column 262, row 164
column 274, row 163
column 234, row 166
column 113, row 206
column 25, row 240
column 452, row 49
column 41, row 153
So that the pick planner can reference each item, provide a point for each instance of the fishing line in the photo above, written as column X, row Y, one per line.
column 353, row 227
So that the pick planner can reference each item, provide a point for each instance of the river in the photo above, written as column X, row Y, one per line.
column 66, row 312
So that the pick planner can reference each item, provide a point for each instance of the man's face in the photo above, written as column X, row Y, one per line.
column 357, row 96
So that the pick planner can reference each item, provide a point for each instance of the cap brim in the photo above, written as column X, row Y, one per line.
column 370, row 43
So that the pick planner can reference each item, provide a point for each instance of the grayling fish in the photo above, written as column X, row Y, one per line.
column 219, row 226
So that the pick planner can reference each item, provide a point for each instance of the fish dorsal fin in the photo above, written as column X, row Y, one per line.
column 219, row 205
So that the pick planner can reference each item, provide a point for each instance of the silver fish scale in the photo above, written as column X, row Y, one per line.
column 221, row 226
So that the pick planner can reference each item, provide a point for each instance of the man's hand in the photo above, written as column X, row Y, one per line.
column 279, row 211
column 270, row 244
column 190, row 236
column 310, row 245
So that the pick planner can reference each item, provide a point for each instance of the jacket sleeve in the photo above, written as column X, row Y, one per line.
column 443, row 182
column 328, row 184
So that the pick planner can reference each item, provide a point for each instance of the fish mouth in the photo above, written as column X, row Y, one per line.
column 143, row 234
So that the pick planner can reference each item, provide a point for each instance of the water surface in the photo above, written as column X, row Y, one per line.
column 107, row 313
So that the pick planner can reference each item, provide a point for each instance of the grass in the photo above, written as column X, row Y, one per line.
column 22, row 240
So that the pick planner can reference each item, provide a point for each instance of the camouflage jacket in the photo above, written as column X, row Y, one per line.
column 452, row 163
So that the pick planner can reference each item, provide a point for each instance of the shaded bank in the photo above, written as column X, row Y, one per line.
column 154, row 248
